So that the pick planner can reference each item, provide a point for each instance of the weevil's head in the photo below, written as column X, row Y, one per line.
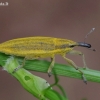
column 83, row 44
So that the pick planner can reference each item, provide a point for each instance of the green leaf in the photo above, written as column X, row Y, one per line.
column 33, row 84
column 63, row 70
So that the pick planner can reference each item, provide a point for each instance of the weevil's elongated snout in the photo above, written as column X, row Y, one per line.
column 82, row 44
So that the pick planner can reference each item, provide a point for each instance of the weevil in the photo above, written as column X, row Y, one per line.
column 42, row 47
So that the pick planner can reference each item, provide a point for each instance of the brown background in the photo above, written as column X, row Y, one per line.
column 70, row 19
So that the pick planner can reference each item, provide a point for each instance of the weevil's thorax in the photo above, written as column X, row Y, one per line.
column 63, row 45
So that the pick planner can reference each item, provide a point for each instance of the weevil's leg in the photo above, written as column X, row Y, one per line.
column 81, row 54
column 51, row 66
column 70, row 62
column 23, row 63
column 58, row 85
column 55, row 78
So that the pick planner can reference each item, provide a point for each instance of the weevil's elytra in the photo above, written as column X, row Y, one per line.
column 35, row 47
column 44, row 46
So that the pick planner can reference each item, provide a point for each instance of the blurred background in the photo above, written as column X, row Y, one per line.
column 69, row 19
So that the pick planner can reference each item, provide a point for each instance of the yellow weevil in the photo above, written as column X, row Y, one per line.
column 42, row 47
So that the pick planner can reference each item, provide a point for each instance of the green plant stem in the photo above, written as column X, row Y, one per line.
column 35, row 85
column 63, row 70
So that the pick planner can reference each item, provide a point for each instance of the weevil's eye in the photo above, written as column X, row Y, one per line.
column 71, row 46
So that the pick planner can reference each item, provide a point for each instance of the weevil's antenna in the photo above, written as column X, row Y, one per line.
column 87, row 36
column 89, row 33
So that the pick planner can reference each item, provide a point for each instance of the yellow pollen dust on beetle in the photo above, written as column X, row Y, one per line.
column 42, row 47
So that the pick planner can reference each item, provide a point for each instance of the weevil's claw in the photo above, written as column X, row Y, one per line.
column 77, row 68
column 16, row 69
column 49, row 74
column 84, row 79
